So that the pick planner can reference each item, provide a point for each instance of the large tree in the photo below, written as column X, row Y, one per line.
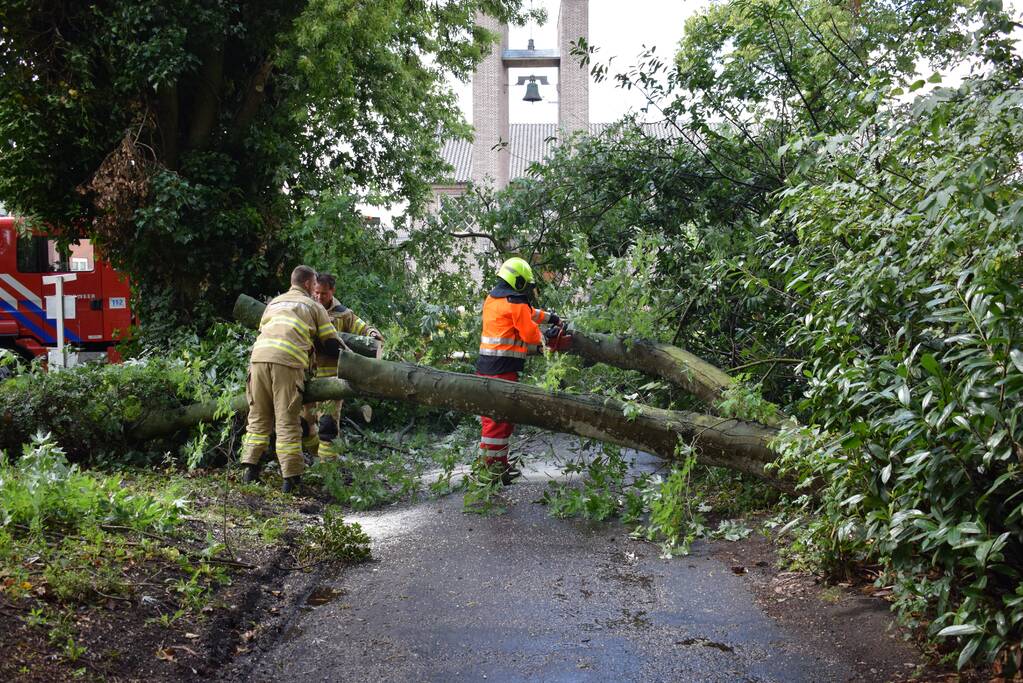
column 185, row 135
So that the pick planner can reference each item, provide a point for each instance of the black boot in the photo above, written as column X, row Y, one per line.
column 291, row 484
column 251, row 475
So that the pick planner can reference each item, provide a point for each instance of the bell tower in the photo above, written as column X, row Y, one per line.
column 490, row 150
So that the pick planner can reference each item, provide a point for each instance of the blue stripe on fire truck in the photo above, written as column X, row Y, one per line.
column 44, row 334
column 51, row 322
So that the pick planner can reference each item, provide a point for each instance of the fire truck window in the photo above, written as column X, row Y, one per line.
column 38, row 254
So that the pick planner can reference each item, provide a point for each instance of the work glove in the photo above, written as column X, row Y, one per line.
column 554, row 320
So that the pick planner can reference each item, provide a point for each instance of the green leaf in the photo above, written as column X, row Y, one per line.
column 967, row 652
column 1017, row 358
column 959, row 630
column 929, row 363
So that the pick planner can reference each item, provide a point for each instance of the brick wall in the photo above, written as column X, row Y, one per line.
column 490, row 110
column 573, row 81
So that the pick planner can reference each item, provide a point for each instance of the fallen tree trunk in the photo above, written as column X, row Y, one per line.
column 701, row 379
column 731, row 443
column 249, row 311
column 721, row 442
column 693, row 374
column 738, row 445
column 168, row 422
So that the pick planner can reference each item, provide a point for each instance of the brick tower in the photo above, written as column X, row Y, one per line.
column 573, row 79
column 490, row 158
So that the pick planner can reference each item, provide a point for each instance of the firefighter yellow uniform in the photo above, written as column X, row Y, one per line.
column 280, row 357
column 324, row 418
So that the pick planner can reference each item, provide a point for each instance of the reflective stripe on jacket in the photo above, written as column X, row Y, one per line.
column 510, row 331
column 290, row 324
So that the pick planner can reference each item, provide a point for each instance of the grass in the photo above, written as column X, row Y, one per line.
column 140, row 557
column 139, row 551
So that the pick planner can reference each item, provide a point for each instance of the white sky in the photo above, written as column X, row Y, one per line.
column 620, row 28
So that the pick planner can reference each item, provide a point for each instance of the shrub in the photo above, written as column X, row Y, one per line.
column 91, row 409
column 43, row 492
column 907, row 256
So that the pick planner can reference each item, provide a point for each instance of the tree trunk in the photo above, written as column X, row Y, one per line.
column 693, row 374
column 206, row 106
column 249, row 311
column 731, row 443
column 681, row 368
column 721, row 442
column 165, row 423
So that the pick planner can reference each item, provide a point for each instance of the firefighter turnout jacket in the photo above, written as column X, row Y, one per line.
column 510, row 331
column 343, row 320
column 290, row 325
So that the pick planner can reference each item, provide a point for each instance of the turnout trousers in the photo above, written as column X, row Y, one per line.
column 495, row 438
column 274, row 393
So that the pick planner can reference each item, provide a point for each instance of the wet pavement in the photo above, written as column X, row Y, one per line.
column 525, row 597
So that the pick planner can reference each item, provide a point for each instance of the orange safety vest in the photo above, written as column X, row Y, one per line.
column 510, row 330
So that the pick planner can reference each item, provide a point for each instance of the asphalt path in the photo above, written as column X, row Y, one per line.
column 522, row 596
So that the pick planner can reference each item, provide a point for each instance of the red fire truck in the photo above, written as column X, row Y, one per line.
column 99, row 316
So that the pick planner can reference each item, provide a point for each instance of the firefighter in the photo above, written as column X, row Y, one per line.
column 510, row 332
column 319, row 434
column 292, row 324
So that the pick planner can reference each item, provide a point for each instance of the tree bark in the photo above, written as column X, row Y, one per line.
column 206, row 107
column 693, row 374
column 167, row 123
column 249, row 311
column 736, row 444
column 254, row 97
column 166, row 423
column 681, row 368
column 721, row 442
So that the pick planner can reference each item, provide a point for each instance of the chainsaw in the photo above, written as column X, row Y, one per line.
column 558, row 337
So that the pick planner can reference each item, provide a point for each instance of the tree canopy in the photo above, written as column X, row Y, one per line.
column 186, row 136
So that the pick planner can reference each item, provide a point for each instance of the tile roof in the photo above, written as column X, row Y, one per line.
column 528, row 143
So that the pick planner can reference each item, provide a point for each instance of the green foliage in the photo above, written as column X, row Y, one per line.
column 674, row 515
column 598, row 498
column 43, row 492
column 855, row 251
column 483, row 487
column 909, row 258
column 335, row 540
column 365, row 484
column 670, row 511
column 91, row 409
column 192, row 134
column 747, row 403
column 87, row 408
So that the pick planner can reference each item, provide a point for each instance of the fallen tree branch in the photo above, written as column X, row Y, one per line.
column 678, row 366
column 736, row 444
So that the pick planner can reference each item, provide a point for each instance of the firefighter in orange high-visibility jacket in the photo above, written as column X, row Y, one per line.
column 322, row 421
column 292, row 325
column 510, row 332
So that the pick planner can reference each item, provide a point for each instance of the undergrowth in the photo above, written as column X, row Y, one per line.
column 671, row 510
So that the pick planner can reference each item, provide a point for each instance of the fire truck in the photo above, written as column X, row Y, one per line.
column 96, row 312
